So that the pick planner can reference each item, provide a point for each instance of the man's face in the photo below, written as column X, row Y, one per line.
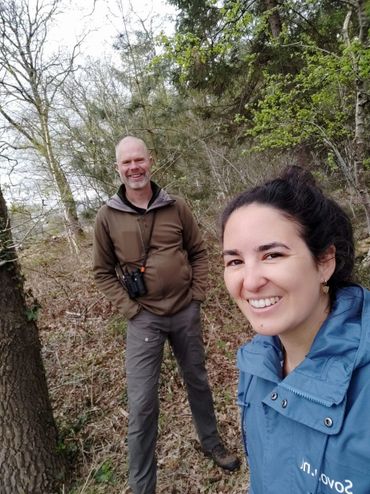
column 133, row 163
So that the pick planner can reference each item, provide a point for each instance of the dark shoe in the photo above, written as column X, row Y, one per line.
column 223, row 458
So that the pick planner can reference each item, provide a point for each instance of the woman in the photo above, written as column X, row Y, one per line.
column 304, row 387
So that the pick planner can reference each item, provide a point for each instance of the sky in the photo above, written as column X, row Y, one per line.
column 102, row 20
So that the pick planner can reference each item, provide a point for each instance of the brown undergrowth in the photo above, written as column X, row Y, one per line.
column 83, row 341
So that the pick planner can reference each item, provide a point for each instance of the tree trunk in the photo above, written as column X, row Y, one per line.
column 274, row 17
column 73, row 227
column 362, row 114
column 29, row 462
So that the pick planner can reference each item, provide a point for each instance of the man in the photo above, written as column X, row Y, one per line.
column 152, row 241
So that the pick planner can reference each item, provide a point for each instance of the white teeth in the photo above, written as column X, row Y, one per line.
column 263, row 302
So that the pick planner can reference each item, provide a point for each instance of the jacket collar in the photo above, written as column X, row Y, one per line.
column 340, row 346
column 159, row 199
column 123, row 196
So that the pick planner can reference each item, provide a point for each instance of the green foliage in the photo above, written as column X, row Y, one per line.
column 69, row 450
column 32, row 306
column 68, row 433
column 207, row 50
column 367, row 164
column 330, row 160
column 215, row 40
column 105, row 473
column 32, row 313
column 313, row 103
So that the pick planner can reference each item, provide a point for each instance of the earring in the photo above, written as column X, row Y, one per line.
column 325, row 287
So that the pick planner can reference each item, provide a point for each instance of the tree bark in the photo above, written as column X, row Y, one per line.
column 362, row 113
column 274, row 17
column 29, row 462
column 360, row 141
column 73, row 227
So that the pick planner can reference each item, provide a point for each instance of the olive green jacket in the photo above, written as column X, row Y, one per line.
column 177, row 265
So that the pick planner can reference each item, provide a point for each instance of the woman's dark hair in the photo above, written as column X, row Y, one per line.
column 322, row 222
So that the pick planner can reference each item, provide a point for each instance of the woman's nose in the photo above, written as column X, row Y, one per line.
column 253, row 278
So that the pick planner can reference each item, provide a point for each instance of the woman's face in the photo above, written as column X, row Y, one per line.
column 271, row 273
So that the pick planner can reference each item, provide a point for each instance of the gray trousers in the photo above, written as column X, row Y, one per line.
column 146, row 336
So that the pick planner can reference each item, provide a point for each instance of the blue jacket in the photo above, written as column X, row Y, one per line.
column 309, row 433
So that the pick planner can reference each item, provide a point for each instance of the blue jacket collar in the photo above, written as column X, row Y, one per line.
column 341, row 345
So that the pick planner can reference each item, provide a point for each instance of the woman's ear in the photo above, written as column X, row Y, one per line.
column 327, row 263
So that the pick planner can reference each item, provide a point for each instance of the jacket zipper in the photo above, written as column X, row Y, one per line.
column 306, row 396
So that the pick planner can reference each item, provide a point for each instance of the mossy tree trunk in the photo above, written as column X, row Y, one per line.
column 29, row 462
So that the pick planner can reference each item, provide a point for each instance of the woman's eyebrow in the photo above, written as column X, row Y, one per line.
column 272, row 245
column 260, row 248
column 231, row 252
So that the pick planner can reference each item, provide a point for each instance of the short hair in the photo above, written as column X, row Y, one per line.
column 321, row 221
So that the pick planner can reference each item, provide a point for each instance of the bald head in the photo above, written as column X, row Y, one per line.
column 129, row 141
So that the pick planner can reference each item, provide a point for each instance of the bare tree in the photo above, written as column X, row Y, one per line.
column 30, row 81
column 29, row 461
column 360, row 153
column 94, row 115
column 138, row 50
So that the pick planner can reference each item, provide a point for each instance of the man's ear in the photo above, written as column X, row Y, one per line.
column 327, row 263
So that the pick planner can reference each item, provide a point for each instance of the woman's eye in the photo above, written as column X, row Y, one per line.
column 273, row 255
column 233, row 262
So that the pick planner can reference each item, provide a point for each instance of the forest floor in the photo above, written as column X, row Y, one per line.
column 83, row 340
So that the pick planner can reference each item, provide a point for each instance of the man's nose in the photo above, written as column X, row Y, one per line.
column 132, row 164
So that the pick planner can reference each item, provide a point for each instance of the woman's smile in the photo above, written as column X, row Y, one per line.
column 261, row 303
